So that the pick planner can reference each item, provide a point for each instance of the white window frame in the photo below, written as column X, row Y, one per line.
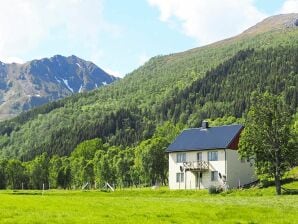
column 199, row 156
column 179, row 177
column 212, row 157
column 214, row 175
column 181, row 157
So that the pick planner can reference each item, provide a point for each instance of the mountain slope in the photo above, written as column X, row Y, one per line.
column 226, row 89
column 128, row 111
column 24, row 86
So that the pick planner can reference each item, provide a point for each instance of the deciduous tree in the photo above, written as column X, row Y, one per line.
column 267, row 137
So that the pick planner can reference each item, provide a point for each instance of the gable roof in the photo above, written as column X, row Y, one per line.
column 194, row 139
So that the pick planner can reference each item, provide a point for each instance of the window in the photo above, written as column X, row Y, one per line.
column 199, row 156
column 181, row 157
column 179, row 177
column 213, row 156
column 214, row 175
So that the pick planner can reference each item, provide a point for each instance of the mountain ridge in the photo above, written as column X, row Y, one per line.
column 33, row 83
column 281, row 21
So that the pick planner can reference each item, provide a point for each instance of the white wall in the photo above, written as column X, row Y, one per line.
column 238, row 173
column 190, row 181
column 233, row 169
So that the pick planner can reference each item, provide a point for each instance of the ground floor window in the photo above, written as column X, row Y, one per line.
column 179, row 177
column 214, row 175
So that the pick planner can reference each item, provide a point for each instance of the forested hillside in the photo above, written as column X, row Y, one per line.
column 226, row 90
column 208, row 82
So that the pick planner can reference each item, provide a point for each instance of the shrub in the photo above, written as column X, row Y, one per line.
column 214, row 189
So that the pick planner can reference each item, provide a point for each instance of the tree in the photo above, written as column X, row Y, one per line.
column 151, row 160
column 88, row 173
column 267, row 137
column 67, row 176
column 168, row 131
column 123, row 163
column 16, row 174
column 38, row 172
column 87, row 149
column 3, row 174
column 105, row 172
column 64, row 177
column 76, row 166
column 55, row 165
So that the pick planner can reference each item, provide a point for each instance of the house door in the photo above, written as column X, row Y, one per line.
column 199, row 176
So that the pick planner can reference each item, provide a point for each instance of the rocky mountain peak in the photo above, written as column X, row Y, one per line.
column 277, row 22
column 24, row 86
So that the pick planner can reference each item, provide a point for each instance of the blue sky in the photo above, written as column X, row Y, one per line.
column 119, row 36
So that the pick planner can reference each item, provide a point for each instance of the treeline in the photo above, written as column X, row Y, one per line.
column 93, row 164
column 223, row 91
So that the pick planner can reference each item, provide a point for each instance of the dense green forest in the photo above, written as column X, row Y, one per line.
column 226, row 90
column 118, row 133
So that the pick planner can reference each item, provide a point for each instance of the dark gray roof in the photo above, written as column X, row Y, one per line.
column 210, row 138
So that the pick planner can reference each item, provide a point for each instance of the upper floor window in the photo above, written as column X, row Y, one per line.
column 213, row 156
column 181, row 157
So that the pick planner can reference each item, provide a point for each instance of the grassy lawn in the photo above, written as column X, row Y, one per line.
column 148, row 206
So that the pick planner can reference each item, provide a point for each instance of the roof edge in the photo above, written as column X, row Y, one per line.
column 227, row 125
column 236, row 136
column 190, row 150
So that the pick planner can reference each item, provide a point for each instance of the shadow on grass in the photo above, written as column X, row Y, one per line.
column 16, row 192
column 287, row 191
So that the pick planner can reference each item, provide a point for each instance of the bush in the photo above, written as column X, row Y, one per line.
column 214, row 189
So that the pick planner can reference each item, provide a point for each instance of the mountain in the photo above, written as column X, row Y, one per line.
column 213, row 81
column 25, row 86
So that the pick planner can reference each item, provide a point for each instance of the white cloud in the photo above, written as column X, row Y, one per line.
column 13, row 59
column 290, row 6
column 114, row 73
column 26, row 25
column 209, row 20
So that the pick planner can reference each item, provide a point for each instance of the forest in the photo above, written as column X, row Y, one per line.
column 127, row 147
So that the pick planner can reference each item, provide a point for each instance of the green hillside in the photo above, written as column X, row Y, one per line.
column 211, row 81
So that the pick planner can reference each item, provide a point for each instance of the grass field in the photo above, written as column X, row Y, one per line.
column 148, row 206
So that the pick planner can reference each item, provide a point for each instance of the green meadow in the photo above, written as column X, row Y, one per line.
column 148, row 206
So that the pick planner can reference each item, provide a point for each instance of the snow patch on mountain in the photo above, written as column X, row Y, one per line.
column 78, row 65
column 104, row 83
column 57, row 79
column 81, row 88
column 67, row 85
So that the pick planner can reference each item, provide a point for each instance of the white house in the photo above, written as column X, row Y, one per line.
column 206, row 156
